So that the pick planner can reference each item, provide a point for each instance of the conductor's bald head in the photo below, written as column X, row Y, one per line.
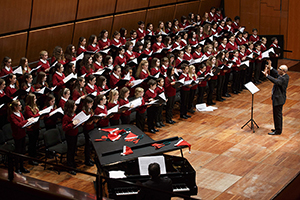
column 282, row 69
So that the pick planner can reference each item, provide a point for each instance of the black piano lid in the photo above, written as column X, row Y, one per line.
column 109, row 153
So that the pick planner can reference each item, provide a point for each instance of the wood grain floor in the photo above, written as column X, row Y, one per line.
column 231, row 163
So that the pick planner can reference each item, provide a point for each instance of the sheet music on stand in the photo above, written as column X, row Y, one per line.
column 251, row 87
column 145, row 161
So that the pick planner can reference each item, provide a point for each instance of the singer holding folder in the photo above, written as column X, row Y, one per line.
column 280, row 80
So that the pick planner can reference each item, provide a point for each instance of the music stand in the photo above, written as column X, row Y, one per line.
column 253, row 89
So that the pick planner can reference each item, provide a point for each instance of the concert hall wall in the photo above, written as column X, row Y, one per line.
column 270, row 17
column 29, row 26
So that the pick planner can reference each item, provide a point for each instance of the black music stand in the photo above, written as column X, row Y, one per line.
column 253, row 89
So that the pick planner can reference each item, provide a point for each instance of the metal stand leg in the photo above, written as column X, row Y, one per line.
column 251, row 120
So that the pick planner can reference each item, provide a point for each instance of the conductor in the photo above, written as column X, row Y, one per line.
column 161, row 183
column 280, row 80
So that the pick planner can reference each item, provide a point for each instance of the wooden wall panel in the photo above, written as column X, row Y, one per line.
column 273, row 3
column 232, row 7
column 47, row 39
column 186, row 8
column 294, row 30
column 125, row 5
column 284, row 14
column 128, row 21
column 249, row 14
column 160, row 2
column 269, row 20
column 13, row 46
column 52, row 12
column 89, row 27
column 157, row 14
column 14, row 16
column 205, row 6
column 91, row 8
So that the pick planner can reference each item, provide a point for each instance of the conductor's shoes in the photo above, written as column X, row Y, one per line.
column 274, row 133
column 272, row 130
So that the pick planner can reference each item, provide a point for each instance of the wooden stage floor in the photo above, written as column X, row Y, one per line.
column 231, row 163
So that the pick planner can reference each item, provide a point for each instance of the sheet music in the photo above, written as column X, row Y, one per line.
column 18, row 71
column 136, row 82
column 69, row 77
column 32, row 122
column 82, row 117
column 58, row 110
column 151, row 102
column 135, row 103
column 99, row 72
column 80, row 57
column 78, row 101
column 46, row 110
column 251, row 87
column 203, row 108
column 114, row 109
column 117, row 174
column 163, row 96
column 144, row 163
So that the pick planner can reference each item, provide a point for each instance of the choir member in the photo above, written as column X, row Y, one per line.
column 112, row 102
column 17, row 121
column 5, row 67
column 93, row 44
column 184, row 92
column 141, row 110
column 98, row 64
column 115, row 76
column 100, row 102
column 64, row 97
column 58, row 55
column 68, row 126
column 87, row 127
column 150, row 94
column 123, row 33
column 170, row 89
column 24, row 64
column 254, row 37
column 43, row 62
column 155, row 66
column 161, row 28
column 87, row 67
column 193, row 76
column 236, row 72
column 211, row 63
column 11, row 87
column 202, row 87
column 49, row 122
column 141, row 33
column 81, row 46
column 70, row 53
column 124, row 95
column 104, row 41
column 90, row 86
column 159, row 89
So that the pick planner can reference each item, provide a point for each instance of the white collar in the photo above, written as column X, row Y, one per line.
column 7, row 68
column 25, row 68
column 242, row 53
column 1, row 91
column 250, row 50
column 115, row 75
column 116, row 40
column 101, row 106
column 165, row 67
column 104, row 40
column 60, row 74
column 263, row 44
column 177, row 43
column 214, row 30
column 98, row 63
column 43, row 61
column 158, row 43
column 229, row 27
column 94, row 45
column 179, row 59
column 221, row 27
column 244, row 38
column 125, row 99
column 142, row 31
column 212, row 14
column 80, row 89
column 91, row 86
column 64, row 98
column 149, row 31
column 184, row 74
column 130, row 53
column 193, row 39
column 144, row 71
column 208, row 52
column 159, row 87
column 223, row 45
column 151, row 90
column 18, row 114
column 198, row 53
column 82, row 47
column 103, row 86
column 12, row 86
column 231, row 43
column 239, row 39
column 235, row 23
column 29, row 84
column 275, row 45
column 255, row 36
column 115, row 101
column 121, row 56
column 183, row 41
column 187, row 54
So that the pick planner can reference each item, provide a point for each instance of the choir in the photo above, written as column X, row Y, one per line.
column 180, row 61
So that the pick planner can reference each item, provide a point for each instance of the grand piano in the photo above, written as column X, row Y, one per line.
column 109, row 158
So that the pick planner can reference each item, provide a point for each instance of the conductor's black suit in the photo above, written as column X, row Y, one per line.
column 278, row 97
